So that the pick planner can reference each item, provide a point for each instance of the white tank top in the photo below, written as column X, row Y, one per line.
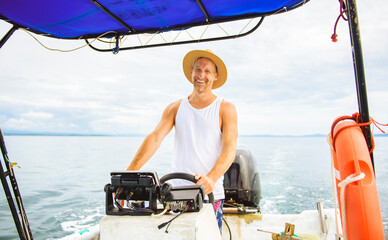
column 198, row 141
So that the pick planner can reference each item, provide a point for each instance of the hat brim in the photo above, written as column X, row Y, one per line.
column 192, row 55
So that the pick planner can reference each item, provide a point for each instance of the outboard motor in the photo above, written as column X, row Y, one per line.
column 242, row 182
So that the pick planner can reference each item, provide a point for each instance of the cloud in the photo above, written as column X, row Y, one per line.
column 285, row 78
column 37, row 115
column 19, row 124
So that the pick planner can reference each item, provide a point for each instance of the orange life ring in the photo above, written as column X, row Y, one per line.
column 361, row 202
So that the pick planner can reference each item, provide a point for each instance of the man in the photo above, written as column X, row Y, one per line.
column 205, row 128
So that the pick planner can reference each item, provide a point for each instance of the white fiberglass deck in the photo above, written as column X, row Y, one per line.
column 202, row 225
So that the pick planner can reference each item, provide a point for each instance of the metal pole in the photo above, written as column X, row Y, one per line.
column 7, row 191
column 358, row 63
column 22, row 225
column 106, row 10
column 7, row 36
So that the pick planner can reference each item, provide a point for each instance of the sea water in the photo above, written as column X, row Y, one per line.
column 62, row 178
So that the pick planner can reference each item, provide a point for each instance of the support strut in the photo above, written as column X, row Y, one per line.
column 7, row 35
column 358, row 64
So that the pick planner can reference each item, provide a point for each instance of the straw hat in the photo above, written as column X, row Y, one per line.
column 191, row 56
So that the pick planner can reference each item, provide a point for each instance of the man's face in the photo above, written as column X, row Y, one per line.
column 203, row 74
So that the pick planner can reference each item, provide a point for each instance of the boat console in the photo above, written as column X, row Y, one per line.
column 135, row 188
column 141, row 192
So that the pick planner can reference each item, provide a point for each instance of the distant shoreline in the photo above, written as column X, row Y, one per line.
column 143, row 135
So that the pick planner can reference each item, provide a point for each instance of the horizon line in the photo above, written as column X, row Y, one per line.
column 143, row 135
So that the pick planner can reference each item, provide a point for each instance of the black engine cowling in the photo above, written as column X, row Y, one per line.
column 241, row 181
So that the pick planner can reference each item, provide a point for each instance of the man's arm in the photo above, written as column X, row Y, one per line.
column 229, row 143
column 153, row 140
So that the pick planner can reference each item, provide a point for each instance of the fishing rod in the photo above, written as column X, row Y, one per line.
column 22, row 226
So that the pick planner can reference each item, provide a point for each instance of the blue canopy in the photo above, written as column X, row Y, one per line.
column 74, row 19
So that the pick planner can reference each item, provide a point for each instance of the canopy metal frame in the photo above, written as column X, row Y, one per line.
column 199, row 40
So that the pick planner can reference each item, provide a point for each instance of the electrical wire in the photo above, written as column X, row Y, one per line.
column 118, row 191
column 160, row 214
column 227, row 225
column 168, row 223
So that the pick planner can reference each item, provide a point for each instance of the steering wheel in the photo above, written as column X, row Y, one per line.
column 184, row 176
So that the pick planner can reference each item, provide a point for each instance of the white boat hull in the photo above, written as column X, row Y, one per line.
column 202, row 225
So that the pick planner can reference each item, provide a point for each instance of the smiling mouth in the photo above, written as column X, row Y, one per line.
column 200, row 81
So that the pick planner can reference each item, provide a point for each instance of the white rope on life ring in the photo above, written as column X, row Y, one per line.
column 342, row 185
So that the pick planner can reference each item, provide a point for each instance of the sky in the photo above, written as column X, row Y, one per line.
column 286, row 78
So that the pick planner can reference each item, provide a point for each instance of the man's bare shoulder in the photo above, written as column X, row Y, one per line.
column 228, row 119
column 172, row 109
column 227, row 107
column 174, row 106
